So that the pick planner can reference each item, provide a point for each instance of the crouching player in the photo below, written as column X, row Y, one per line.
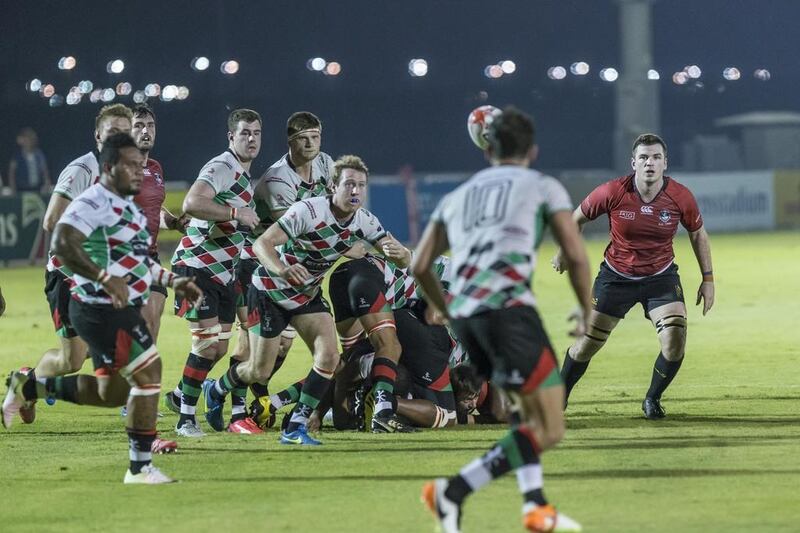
column 102, row 238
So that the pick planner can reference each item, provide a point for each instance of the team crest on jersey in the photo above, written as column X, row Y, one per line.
column 627, row 215
column 664, row 216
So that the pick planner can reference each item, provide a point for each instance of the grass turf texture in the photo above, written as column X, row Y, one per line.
column 725, row 459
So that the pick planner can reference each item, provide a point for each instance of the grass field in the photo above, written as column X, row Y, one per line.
column 725, row 459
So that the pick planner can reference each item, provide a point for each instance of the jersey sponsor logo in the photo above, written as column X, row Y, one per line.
column 486, row 205
column 646, row 209
column 427, row 377
column 515, row 230
column 664, row 216
column 627, row 215
column 90, row 203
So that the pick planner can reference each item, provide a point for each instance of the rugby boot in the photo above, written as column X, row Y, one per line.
column 245, row 426
column 14, row 399
column 299, row 436
column 390, row 424
column 446, row 511
column 545, row 518
column 163, row 446
column 652, row 409
column 213, row 413
column 149, row 475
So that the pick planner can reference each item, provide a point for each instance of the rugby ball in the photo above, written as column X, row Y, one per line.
column 478, row 124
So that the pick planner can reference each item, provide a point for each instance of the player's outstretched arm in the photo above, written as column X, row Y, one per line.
column 264, row 248
column 573, row 254
column 67, row 245
column 55, row 208
column 558, row 260
column 199, row 203
column 433, row 244
column 702, row 251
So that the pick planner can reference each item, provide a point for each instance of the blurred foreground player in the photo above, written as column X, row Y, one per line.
column 644, row 210
column 102, row 238
column 493, row 224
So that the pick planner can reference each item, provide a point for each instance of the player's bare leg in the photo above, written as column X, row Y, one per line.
column 64, row 361
column 670, row 323
column 152, row 311
column 576, row 360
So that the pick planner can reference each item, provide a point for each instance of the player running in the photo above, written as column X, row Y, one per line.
column 312, row 235
column 493, row 224
column 221, row 204
column 103, row 240
column 644, row 210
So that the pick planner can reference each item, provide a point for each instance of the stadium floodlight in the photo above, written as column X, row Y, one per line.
column 74, row 98
column 653, row 74
column 152, row 89
column 557, row 73
column 85, row 86
column 493, row 71
column 169, row 93
column 67, row 63
column 762, row 74
column 34, row 85
column 508, row 66
column 316, row 64
column 96, row 96
column 200, row 63
column 229, row 67
column 579, row 68
column 183, row 93
column 124, row 88
column 139, row 97
column 56, row 100
column 609, row 74
column 333, row 69
column 693, row 71
column 418, row 68
column 680, row 78
column 115, row 67
column 731, row 73
column 47, row 91
column 108, row 95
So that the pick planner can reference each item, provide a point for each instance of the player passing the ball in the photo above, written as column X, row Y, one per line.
column 644, row 210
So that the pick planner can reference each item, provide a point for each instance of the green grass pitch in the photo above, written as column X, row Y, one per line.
column 725, row 459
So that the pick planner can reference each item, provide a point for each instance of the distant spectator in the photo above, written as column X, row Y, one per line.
column 27, row 170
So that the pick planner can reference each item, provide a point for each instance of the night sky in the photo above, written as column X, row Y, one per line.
column 374, row 108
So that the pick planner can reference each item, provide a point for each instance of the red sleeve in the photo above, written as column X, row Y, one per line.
column 597, row 203
column 691, row 219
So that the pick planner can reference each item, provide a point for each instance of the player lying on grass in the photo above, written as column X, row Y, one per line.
column 102, row 238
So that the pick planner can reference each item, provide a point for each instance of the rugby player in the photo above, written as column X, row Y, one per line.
column 103, row 240
column 644, row 209
column 76, row 177
column 493, row 224
column 221, row 205
column 312, row 235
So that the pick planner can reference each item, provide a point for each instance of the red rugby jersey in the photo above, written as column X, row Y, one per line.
column 642, row 233
column 151, row 198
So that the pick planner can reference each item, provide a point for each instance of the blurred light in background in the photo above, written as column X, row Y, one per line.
column 333, row 69
column 96, row 96
column 115, row 67
column 108, row 95
column 316, row 64
column 183, row 93
column 152, row 89
column 762, row 74
column 124, row 88
column 680, row 78
column 653, row 74
column 34, row 85
column 67, row 63
column 693, row 71
column 139, row 97
column 508, row 66
column 56, row 100
column 609, row 74
column 200, row 63
column 85, row 86
column 169, row 93
column 731, row 74
column 580, row 68
column 557, row 73
column 74, row 97
column 230, row 67
column 418, row 68
column 493, row 71
column 47, row 90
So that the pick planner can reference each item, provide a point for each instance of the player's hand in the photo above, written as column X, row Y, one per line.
column 434, row 317
column 581, row 319
column 314, row 424
column 394, row 250
column 706, row 293
column 295, row 274
column 177, row 223
column 2, row 303
column 186, row 288
column 247, row 217
column 117, row 288
column 558, row 263
column 357, row 251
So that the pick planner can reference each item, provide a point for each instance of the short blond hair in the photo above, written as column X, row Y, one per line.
column 113, row 110
column 348, row 161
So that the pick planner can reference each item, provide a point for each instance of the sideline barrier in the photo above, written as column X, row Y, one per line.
column 21, row 233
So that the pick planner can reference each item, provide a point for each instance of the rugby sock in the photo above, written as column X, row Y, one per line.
column 663, row 373
column 140, row 443
column 229, row 381
column 314, row 388
column 384, row 374
column 194, row 373
column 287, row 396
column 517, row 450
column 60, row 387
column 259, row 389
column 238, row 398
column 571, row 372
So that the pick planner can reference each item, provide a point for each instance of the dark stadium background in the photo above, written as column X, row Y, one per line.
column 374, row 108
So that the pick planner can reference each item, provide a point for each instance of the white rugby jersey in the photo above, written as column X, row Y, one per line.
column 495, row 222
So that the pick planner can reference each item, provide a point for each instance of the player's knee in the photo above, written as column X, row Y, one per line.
column 327, row 360
column 205, row 340
column 671, row 331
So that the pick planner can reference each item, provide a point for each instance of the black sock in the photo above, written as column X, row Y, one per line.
column 571, row 372
column 259, row 389
column 663, row 373
column 63, row 388
column 314, row 389
column 140, row 445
